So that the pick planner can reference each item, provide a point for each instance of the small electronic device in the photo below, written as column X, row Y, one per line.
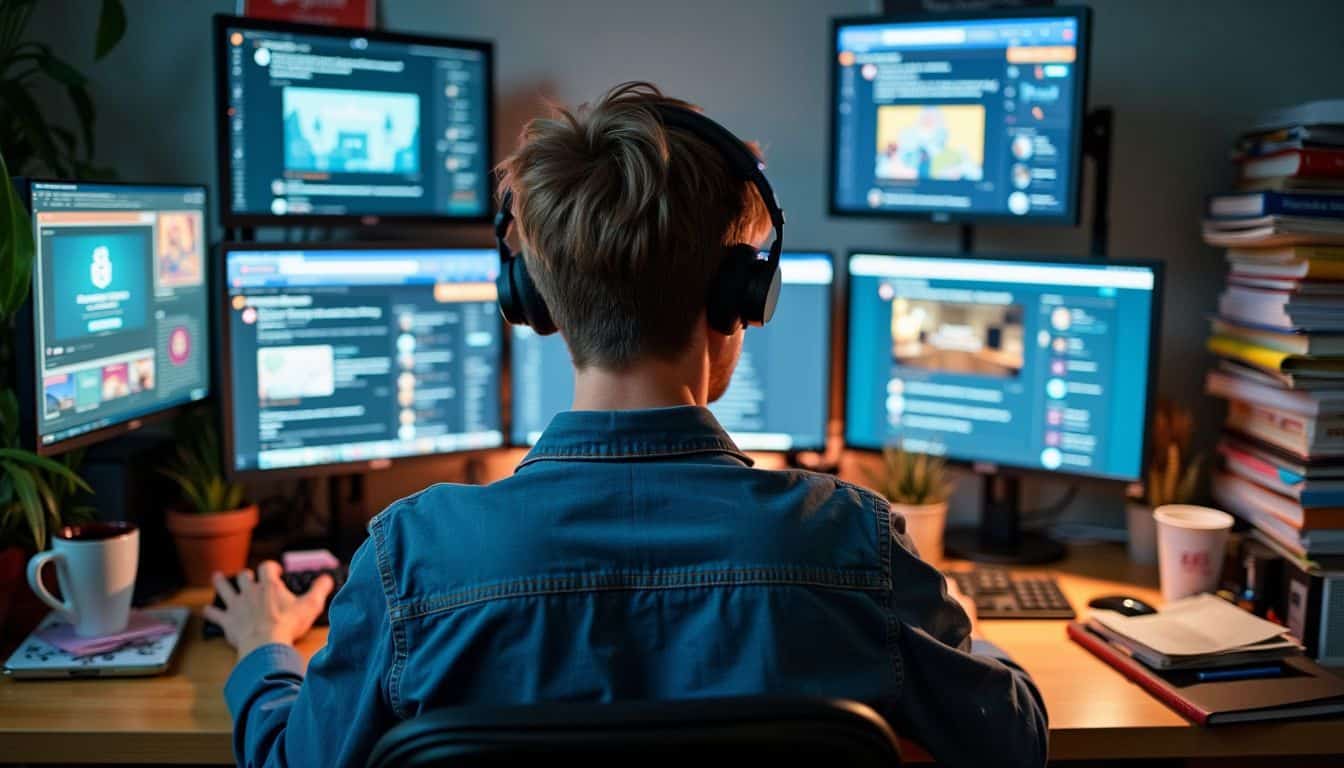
column 960, row 116
column 1001, row 594
column 1122, row 604
column 779, row 397
column 322, row 125
column 298, row 582
column 116, row 330
column 347, row 355
column 1041, row 365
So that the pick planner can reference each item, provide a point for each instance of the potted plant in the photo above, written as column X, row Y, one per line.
column 917, row 486
column 213, row 527
column 1171, row 477
column 34, row 490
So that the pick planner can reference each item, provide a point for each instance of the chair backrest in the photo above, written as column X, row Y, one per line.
column 757, row 729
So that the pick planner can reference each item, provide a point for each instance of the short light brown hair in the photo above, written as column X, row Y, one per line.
column 623, row 222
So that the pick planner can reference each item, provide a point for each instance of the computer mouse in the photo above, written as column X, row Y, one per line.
column 1122, row 604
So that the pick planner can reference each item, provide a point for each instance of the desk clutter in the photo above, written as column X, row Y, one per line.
column 1213, row 662
column 1279, row 338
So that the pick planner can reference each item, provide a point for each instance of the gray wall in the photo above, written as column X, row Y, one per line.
column 1183, row 76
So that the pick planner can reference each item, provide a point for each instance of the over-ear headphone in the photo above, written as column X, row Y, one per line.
column 746, row 289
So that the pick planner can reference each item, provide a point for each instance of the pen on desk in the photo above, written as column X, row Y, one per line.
column 1246, row 673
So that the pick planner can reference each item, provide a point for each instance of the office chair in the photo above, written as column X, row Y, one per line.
column 755, row 729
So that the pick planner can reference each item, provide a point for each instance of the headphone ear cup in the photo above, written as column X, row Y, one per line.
column 509, row 305
column 532, row 307
column 727, row 291
column 761, row 293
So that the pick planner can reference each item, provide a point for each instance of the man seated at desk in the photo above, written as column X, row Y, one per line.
column 634, row 554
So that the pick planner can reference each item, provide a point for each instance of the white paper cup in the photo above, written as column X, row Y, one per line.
column 1191, row 542
column 924, row 524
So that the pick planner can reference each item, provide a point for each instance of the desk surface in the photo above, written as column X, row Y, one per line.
column 1095, row 713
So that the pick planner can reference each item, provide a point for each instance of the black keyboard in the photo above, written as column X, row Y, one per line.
column 298, row 582
column 1001, row 594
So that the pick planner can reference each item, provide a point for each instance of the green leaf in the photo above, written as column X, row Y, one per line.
column 79, row 97
column 58, row 70
column 16, row 267
column 111, row 28
column 18, row 101
column 26, row 489
column 22, row 457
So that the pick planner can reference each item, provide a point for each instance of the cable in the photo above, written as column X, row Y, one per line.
column 1044, row 516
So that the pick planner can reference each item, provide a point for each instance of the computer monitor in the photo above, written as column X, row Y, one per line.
column 117, row 328
column 960, row 116
column 779, row 397
column 1023, row 364
column 320, row 125
column 343, row 357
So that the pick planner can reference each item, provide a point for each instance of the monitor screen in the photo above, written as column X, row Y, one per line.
column 779, row 396
column 322, row 124
column 347, row 355
column 962, row 118
column 119, row 300
column 1033, row 364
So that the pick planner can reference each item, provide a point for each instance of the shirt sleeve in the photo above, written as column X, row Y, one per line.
column 282, row 718
column 965, row 702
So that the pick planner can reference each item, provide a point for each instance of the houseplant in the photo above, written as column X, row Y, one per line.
column 917, row 486
column 31, row 141
column 213, row 525
column 1171, row 476
column 34, row 491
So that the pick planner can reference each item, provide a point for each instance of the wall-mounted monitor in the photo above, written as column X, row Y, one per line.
column 321, row 125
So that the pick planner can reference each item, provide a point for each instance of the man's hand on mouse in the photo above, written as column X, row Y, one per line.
column 262, row 610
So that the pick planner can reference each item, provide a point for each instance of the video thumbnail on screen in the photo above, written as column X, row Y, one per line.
column 944, row 142
column 331, row 130
column 959, row 338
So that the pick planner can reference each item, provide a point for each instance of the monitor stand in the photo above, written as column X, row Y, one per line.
column 999, row 538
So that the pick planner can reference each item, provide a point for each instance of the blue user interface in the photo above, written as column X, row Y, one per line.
column 1041, row 365
column 778, row 399
column 971, row 118
column 119, row 301
column 340, row 356
column 332, row 124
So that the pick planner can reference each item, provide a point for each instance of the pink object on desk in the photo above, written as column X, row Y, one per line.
column 309, row 560
column 140, row 627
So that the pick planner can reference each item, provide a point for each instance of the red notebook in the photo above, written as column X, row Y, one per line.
column 1304, row 689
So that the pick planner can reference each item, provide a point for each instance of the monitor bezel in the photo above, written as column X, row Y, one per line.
column 986, row 466
column 224, row 22
column 225, row 347
column 832, row 305
column 25, row 347
column 1071, row 218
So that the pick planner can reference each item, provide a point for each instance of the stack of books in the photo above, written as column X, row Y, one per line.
column 1279, row 332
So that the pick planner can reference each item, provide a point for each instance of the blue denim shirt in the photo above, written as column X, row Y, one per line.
column 635, row 555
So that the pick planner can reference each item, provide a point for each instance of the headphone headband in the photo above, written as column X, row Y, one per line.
column 747, row 287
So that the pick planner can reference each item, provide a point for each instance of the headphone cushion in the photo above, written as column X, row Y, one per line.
column 530, row 306
column 728, row 289
column 761, row 292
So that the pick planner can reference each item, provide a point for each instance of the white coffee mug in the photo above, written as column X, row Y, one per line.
column 95, row 567
column 1191, row 542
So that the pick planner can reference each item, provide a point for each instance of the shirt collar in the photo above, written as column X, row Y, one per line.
column 643, row 434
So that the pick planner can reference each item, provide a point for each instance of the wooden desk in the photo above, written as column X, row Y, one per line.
column 1095, row 713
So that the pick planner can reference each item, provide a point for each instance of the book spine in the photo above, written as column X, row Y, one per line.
column 1321, row 162
column 1136, row 674
column 1291, row 204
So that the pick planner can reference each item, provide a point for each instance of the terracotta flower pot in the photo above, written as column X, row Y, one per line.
column 215, row 542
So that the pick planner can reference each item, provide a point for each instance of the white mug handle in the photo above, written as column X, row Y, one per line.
column 66, row 609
